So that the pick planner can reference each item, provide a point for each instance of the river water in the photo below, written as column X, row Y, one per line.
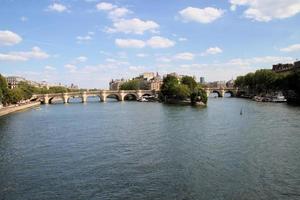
column 134, row 150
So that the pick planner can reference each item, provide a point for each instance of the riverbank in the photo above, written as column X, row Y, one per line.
column 15, row 108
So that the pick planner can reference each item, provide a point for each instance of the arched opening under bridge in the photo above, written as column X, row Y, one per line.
column 130, row 97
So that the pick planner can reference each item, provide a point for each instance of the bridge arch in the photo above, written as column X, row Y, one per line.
column 93, row 98
column 71, row 99
column 114, row 95
column 57, row 98
column 230, row 92
column 216, row 92
column 130, row 96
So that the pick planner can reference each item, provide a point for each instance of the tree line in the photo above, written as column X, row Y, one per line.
column 265, row 81
column 24, row 91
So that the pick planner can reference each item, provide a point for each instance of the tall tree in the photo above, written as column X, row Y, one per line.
column 3, row 90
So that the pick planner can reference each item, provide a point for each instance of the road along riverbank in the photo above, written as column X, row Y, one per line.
column 15, row 108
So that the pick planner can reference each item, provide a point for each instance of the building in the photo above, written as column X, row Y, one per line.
column 116, row 84
column 14, row 81
column 289, row 67
column 155, row 83
column 147, row 75
column 202, row 80
column 216, row 84
column 72, row 86
column 230, row 83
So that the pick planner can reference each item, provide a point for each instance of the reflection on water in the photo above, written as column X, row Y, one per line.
column 131, row 150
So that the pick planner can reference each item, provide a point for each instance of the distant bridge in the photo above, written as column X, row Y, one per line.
column 120, row 95
column 221, row 91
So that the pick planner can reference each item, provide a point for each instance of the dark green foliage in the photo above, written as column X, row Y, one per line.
column 182, row 92
column 199, row 94
column 130, row 85
column 189, row 81
column 264, row 81
column 3, row 90
column 186, row 88
column 15, row 95
column 169, row 86
column 57, row 89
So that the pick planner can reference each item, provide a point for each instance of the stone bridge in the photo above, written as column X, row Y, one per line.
column 120, row 95
column 221, row 91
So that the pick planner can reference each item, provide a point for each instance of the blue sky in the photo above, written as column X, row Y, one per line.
column 89, row 42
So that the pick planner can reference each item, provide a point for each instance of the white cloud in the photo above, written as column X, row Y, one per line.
column 8, row 38
column 57, row 7
column 81, row 59
column 50, row 68
column 35, row 53
column 164, row 59
column 269, row 60
column 184, row 56
column 205, row 15
column 114, row 12
column 182, row 39
column 153, row 42
column 130, row 43
column 86, row 38
column 141, row 55
column 71, row 68
column 137, row 69
column 160, row 42
column 118, row 13
column 267, row 10
column 291, row 48
column 134, row 25
column 212, row 51
column 105, row 6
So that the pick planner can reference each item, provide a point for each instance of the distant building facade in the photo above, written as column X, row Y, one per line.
column 230, row 83
column 14, row 81
column 116, row 84
column 283, row 68
column 216, row 84
column 202, row 80
column 72, row 86
column 147, row 81
column 155, row 83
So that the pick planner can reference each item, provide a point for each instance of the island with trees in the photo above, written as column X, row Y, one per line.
column 184, row 91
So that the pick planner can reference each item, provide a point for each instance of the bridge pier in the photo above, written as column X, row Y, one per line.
column 139, row 94
column 46, row 99
column 121, row 95
column 222, row 93
column 103, row 97
column 84, row 97
column 65, row 98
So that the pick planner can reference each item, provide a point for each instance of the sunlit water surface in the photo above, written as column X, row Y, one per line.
column 134, row 150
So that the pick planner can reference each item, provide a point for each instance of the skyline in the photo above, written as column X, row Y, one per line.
column 89, row 42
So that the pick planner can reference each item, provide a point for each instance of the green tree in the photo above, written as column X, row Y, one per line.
column 130, row 85
column 27, row 90
column 199, row 94
column 15, row 95
column 264, row 80
column 169, row 86
column 190, row 82
column 3, row 90
column 57, row 89
column 182, row 92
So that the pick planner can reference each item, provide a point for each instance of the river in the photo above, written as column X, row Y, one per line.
column 134, row 150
